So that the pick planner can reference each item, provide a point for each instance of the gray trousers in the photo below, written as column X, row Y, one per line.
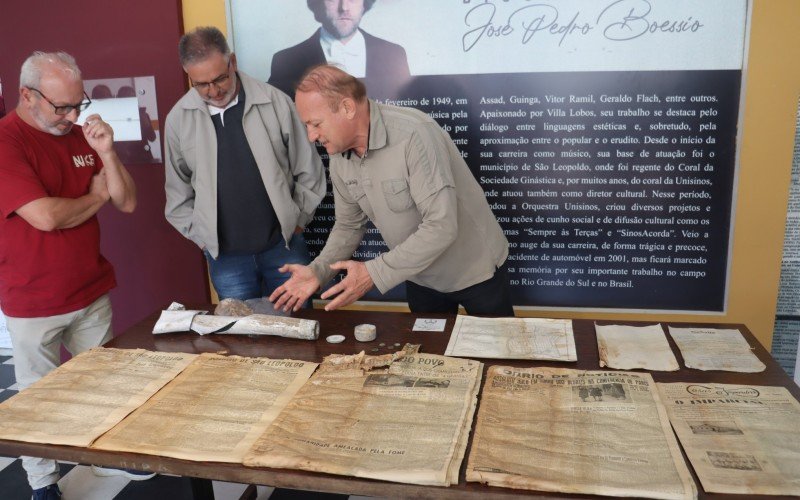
column 37, row 350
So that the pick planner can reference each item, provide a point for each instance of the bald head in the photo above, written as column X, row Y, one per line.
column 334, row 107
column 333, row 84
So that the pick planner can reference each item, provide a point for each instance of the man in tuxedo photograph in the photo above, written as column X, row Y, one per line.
column 340, row 41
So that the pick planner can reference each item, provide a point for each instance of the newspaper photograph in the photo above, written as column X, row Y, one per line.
column 408, row 422
column 716, row 349
column 740, row 439
column 86, row 396
column 512, row 338
column 628, row 347
column 214, row 411
column 572, row 431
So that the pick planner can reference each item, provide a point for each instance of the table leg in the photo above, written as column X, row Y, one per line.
column 250, row 493
column 202, row 489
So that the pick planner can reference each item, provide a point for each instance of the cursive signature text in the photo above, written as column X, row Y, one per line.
column 620, row 20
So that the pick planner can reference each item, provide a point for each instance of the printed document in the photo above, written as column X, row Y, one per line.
column 512, row 338
column 86, row 396
column 716, row 349
column 407, row 423
column 740, row 439
column 214, row 411
column 628, row 347
column 571, row 431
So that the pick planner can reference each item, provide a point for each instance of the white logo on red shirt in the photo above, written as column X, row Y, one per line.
column 83, row 160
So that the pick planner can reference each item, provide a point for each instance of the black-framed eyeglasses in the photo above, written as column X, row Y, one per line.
column 217, row 82
column 65, row 109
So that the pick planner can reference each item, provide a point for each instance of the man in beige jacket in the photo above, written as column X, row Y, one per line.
column 396, row 167
column 241, row 180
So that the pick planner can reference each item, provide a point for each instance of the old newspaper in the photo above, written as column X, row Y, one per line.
column 628, row 347
column 86, row 396
column 213, row 411
column 571, row 431
column 406, row 423
column 740, row 439
column 716, row 349
column 512, row 338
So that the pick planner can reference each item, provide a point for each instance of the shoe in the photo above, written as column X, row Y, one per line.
column 132, row 474
column 50, row 492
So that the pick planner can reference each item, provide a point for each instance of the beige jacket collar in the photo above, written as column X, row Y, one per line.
column 255, row 95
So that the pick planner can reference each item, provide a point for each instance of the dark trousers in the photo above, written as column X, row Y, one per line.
column 488, row 298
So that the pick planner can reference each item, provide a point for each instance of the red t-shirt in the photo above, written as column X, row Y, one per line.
column 45, row 273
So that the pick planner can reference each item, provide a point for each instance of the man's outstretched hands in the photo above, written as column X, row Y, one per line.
column 352, row 287
column 297, row 289
column 303, row 283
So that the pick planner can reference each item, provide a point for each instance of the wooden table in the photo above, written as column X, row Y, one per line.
column 392, row 327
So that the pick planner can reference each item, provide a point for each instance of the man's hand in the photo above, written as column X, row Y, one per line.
column 352, row 287
column 99, row 186
column 297, row 289
column 99, row 134
column 120, row 185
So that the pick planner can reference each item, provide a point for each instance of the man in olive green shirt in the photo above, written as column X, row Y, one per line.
column 398, row 168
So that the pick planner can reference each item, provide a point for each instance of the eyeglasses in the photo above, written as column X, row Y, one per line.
column 218, row 82
column 66, row 109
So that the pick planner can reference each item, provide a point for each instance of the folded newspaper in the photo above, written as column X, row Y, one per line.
column 177, row 318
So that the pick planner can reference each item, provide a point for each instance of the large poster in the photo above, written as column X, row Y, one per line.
column 785, row 336
column 604, row 133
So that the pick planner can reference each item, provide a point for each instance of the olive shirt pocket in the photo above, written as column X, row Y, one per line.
column 397, row 194
column 355, row 189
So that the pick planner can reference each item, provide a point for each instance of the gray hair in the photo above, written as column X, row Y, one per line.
column 35, row 64
column 199, row 44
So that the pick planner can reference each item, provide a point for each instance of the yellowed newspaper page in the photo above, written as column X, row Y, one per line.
column 214, row 411
column 512, row 338
column 405, row 423
column 86, row 396
column 742, row 439
column 627, row 347
column 571, row 431
column 716, row 349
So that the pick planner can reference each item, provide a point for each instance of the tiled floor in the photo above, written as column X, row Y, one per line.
column 79, row 483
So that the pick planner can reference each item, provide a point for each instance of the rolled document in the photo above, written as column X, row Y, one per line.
column 177, row 320
column 257, row 324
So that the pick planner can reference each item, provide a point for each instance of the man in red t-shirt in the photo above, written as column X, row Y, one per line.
column 54, row 177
